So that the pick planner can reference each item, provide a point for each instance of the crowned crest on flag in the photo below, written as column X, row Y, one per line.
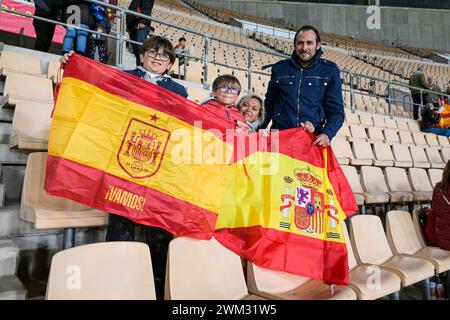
column 142, row 149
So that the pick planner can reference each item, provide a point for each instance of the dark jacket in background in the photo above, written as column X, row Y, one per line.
column 145, row 7
column 296, row 94
column 442, row 214
column 45, row 8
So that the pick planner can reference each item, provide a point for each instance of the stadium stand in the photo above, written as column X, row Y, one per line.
column 371, row 246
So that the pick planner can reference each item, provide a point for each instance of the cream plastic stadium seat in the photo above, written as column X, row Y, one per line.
column 419, row 139
column 31, row 126
column 374, row 184
column 434, row 158
column 344, row 132
column 443, row 141
column 375, row 134
column 383, row 155
column 342, row 150
column 398, row 183
column 413, row 126
column 115, row 270
column 420, row 183
column 358, row 277
column 406, row 138
column 379, row 122
column 197, row 94
column 204, row 270
column 366, row 120
column 372, row 247
column 435, row 176
column 358, row 132
column 391, row 124
column 420, row 159
column 351, row 118
column 402, row 125
column 355, row 183
column 286, row 286
column 402, row 156
column 432, row 140
column 363, row 154
column 403, row 239
column 27, row 88
column 47, row 212
column 391, row 136
column 11, row 61
column 53, row 67
column 445, row 152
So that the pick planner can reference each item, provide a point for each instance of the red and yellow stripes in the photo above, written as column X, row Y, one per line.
column 125, row 146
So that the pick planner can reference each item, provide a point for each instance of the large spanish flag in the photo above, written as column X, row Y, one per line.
column 125, row 146
column 284, row 205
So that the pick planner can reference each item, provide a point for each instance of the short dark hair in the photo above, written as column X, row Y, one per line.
column 307, row 28
column 158, row 42
column 226, row 79
column 182, row 39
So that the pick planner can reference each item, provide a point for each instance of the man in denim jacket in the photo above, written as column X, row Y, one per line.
column 306, row 88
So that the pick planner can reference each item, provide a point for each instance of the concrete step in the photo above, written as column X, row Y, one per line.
column 12, row 156
column 12, row 178
column 12, row 289
column 5, row 132
column 6, row 115
column 9, row 253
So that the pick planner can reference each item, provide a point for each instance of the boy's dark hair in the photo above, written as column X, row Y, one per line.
column 158, row 42
column 182, row 39
column 307, row 28
column 226, row 79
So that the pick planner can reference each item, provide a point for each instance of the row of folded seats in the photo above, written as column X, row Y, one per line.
column 382, row 154
column 375, row 185
column 381, row 262
column 28, row 94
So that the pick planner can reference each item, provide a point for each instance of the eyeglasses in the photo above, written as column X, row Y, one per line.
column 162, row 55
column 233, row 90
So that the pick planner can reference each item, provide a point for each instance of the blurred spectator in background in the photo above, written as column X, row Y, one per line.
column 430, row 118
column 179, row 50
column 76, row 39
column 139, row 28
column 99, row 42
column 44, row 31
column 441, row 207
column 418, row 80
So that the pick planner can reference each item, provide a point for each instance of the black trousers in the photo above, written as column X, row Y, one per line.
column 44, row 33
column 123, row 229
column 417, row 101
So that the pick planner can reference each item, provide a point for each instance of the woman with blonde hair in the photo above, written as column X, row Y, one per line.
column 252, row 107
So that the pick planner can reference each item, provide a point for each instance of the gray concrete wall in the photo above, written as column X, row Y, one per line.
column 426, row 28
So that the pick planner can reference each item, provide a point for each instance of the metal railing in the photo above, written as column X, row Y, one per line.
column 353, row 79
